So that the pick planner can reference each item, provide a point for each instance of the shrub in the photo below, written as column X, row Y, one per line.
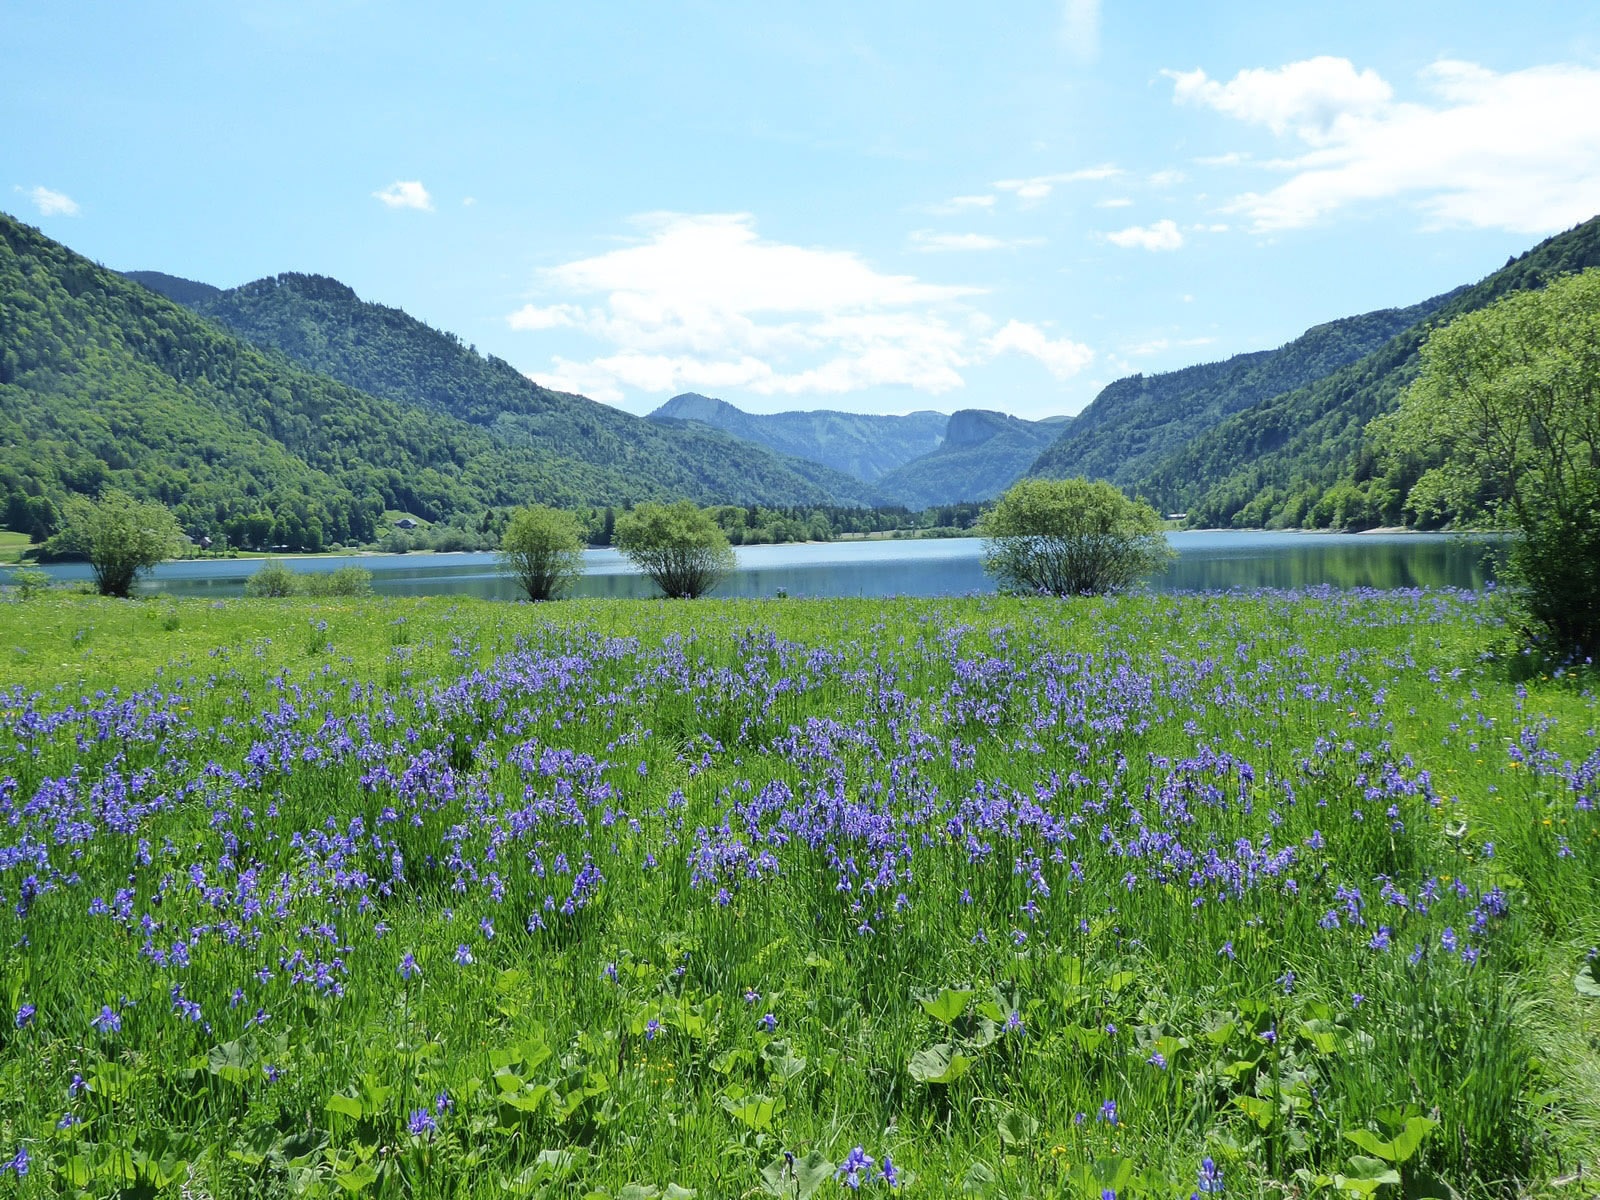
column 543, row 549
column 346, row 581
column 121, row 537
column 29, row 581
column 678, row 545
column 272, row 580
column 1070, row 537
column 1506, row 409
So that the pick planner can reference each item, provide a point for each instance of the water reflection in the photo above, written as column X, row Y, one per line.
column 1206, row 561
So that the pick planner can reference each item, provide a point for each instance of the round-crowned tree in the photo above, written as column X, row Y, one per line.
column 1506, row 413
column 543, row 549
column 678, row 545
column 1071, row 537
column 121, row 537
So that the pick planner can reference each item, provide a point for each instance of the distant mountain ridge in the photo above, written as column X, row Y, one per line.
column 1254, row 442
column 864, row 445
column 1136, row 422
column 173, row 287
column 983, row 454
column 324, row 326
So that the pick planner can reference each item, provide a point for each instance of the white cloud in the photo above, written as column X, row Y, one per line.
column 1160, row 345
column 1167, row 178
column 1062, row 357
column 1518, row 151
column 927, row 240
column 1037, row 187
column 1080, row 29
column 1114, row 202
column 51, row 204
column 1163, row 235
column 962, row 204
column 1314, row 98
column 703, row 302
column 468, row 201
column 406, row 193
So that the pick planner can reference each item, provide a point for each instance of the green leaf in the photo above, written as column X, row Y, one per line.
column 638, row 1191
column 1587, row 981
column 797, row 1178
column 345, row 1106
column 756, row 1111
column 978, row 1181
column 940, row 1063
column 357, row 1180
column 1257, row 1109
column 1407, row 1141
column 1017, row 1128
column 1322, row 1034
column 945, row 1005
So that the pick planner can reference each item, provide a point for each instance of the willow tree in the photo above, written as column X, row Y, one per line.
column 543, row 549
column 1071, row 537
column 1507, row 408
column 680, row 546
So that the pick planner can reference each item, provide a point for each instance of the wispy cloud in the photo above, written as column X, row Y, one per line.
column 1163, row 235
column 50, row 203
column 1518, row 151
column 1080, row 29
column 405, row 193
column 703, row 301
column 1062, row 357
column 929, row 241
column 962, row 204
column 1037, row 187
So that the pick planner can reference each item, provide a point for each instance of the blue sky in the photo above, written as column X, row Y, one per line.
column 878, row 207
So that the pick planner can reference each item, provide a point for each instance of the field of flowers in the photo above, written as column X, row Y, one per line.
column 1156, row 897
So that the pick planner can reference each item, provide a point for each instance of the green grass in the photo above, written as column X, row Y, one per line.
column 12, row 545
column 949, row 846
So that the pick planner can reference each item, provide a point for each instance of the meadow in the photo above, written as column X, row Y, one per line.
column 1159, row 896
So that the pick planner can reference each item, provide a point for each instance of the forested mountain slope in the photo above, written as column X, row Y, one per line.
column 104, row 382
column 1302, row 458
column 863, row 445
column 1137, row 422
column 325, row 327
column 983, row 454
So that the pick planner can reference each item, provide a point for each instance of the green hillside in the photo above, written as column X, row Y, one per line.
column 1137, row 422
column 983, row 454
column 104, row 382
column 323, row 326
column 1302, row 458
column 863, row 445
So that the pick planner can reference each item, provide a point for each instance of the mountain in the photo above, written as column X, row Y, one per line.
column 1136, row 423
column 174, row 287
column 323, row 326
column 859, row 444
column 105, row 382
column 1302, row 457
column 983, row 453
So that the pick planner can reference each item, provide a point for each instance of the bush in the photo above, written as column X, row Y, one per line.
column 121, row 537
column 678, row 545
column 346, row 581
column 272, row 580
column 543, row 549
column 1070, row 537
column 29, row 581
column 1505, row 408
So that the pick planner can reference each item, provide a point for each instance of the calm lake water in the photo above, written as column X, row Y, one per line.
column 1206, row 561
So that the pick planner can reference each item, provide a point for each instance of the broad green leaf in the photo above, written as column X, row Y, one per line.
column 638, row 1191
column 1257, row 1109
column 940, row 1063
column 1587, row 981
column 796, row 1178
column 345, row 1106
column 357, row 1180
column 978, row 1181
column 1322, row 1034
column 756, row 1111
column 946, row 1004
column 1017, row 1128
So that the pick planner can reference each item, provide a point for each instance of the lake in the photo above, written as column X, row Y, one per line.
column 1207, row 561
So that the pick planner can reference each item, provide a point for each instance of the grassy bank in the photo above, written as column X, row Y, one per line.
column 452, row 898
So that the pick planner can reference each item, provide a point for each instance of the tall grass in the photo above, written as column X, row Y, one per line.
column 458, row 899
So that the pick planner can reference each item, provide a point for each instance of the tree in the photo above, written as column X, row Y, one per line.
column 121, row 537
column 543, row 548
column 1507, row 409
column 678, row 545
column 1070, row 537
column 272, row 579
